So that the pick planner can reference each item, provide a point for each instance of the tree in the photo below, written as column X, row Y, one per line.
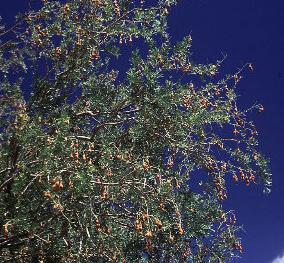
column 102, row 164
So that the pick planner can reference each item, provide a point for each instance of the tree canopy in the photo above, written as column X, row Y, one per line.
column 104, row 162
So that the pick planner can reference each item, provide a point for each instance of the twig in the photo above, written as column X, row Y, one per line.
column 29, row 184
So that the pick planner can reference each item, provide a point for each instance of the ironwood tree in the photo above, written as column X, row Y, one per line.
column 107, row 157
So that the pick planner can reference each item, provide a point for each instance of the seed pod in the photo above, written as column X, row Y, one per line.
column 250, row 66
column 104, row 193
column 70, row 184
column 55, row 186
column 58, row 207
column 61, row 186
column 66, row 9
column 260, row 108
column 47, row 194
column 240, row 121
column 145, row 217
column 186, row 68
column 235, row 132
column 95, row 55
column 98, row 225
column 116, row 7
column 138, row 226
column 149, row 234
column 6, row 230
column 109, row 173
column 180, row 231
column 224, row 167
column 252, row 178
column 158, row 223
column 58, row 52
column 242, row 175
column 171, row 238
column 235, row 178
column 146, row 165
column 217, row 93
column 247, row 181
column 170, row 163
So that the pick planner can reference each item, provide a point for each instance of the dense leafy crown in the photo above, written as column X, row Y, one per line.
column 101, row 161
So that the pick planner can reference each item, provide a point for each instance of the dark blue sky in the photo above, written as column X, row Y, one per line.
column 247, row 31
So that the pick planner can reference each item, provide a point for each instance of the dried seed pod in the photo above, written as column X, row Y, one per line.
column 252, row 178
column 235, row 132
column 217, row 93
column 158, row 223
column 138, row 226
column 145, row 217
column 95, row 55
column 47, row 194
column 6, row 230
column 180, row 231
column 58, row 52
column 58, row 207
column 247, row 181
column 56, row 186
column 146, row 165
column 170, row 163
column 116, row 7
column 235, row 178
column 66, row 9
column 250, row 66
column 242, row 175
column 70, row 184
column 171, row 238
column 149, row 234
column 260, row 108
column 109, row 173
column 104, row 193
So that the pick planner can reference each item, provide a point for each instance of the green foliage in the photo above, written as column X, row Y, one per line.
column 98, row 164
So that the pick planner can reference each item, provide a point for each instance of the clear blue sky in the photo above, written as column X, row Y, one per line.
column 247, row 31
